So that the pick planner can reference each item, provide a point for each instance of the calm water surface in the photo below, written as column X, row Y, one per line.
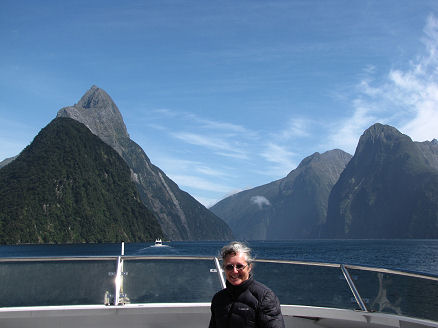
column 406, row 255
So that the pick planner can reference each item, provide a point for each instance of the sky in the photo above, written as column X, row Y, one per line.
column 224, row 96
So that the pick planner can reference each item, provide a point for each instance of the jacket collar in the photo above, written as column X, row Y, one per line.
column 237, row 290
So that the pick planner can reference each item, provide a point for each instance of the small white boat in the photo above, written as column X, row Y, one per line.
column 158, row 242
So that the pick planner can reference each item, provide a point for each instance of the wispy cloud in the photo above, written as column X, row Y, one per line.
column 173, row 164
column 281, row 157
column 223, row 138
column 220, row 145
column 420, row 86
column 220, row 125
column 196, row 182
column 211, row 172
column 345, row 134
column 406, row 98
column 296, row 128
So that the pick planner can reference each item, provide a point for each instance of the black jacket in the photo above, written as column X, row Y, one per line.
column 250, row 304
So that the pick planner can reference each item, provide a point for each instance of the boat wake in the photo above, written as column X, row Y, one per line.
column 158, row 246
column 157, row 250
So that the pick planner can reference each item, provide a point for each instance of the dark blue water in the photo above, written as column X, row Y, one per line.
column 407, row 255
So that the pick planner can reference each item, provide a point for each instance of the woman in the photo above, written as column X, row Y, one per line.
column 244, row 302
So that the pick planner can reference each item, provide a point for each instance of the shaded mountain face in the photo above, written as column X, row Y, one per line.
column 6, row 161
column 290, row 208
column 389, row 189
column 68, row 186
column 429, row 149
column 180, row 215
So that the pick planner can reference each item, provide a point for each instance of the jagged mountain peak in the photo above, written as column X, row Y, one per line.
column 326, row 161
column 99, row 113
column 382, row 132
column 381, row 138
column 331, row 155
column 306, row 161
column 96, row 98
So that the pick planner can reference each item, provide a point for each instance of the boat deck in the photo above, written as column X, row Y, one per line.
column 190, row 316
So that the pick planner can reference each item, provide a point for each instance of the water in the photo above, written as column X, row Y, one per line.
column 406, row 255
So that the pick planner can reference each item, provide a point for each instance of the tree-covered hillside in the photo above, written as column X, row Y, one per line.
column 68, row 186
column 180, row 215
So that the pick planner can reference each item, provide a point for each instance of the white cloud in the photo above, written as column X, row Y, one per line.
column 198, row 183
column 200, row 123
column 406, row 98
column 424, row 125
column 211, row 172
column 222, row 126
column 260, row 201
column 419, row 85
column 219, row 145
column 173, row 164
column 281, row 157
column 201, row 140
column 345, row 134
column 296, row 128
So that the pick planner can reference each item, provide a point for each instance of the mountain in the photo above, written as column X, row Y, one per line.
column 290, row 208
column 389, row 189
column 6, row 161
column 429, row 150
column 68, row 186
column 180, row 215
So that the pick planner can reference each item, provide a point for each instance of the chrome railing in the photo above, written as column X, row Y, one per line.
column 118, row 280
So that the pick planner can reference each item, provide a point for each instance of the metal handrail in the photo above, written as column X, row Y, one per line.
column 58, row 258
column 211, row 258
column 391, row 271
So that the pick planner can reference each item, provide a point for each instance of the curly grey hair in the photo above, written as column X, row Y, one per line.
column 234, row 248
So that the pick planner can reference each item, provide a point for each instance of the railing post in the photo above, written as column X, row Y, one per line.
column 353, row 288
column 119, row 278
column 219, row 272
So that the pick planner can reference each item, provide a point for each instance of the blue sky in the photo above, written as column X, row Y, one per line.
column 224, row 95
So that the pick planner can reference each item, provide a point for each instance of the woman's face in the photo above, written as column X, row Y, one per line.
column 236, row 268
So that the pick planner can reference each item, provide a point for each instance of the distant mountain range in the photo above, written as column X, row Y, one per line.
column 290, row 208
column 68, row 186
column 388, row 189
